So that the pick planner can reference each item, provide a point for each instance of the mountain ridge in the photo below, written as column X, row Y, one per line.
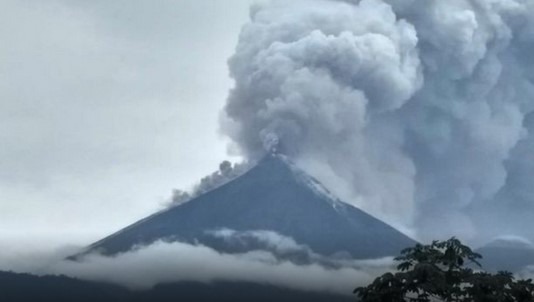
column 19, row 287
column 276, row 196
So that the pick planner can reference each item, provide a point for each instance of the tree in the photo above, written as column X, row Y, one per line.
column 443, row 271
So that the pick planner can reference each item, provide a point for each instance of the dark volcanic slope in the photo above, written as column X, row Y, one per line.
column 274, row 196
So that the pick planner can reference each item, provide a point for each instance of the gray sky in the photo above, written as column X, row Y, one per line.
column 105, row 107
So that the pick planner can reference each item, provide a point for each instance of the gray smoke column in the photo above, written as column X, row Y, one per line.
column 414, row 110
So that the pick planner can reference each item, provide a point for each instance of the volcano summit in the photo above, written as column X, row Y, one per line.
column 272, row 198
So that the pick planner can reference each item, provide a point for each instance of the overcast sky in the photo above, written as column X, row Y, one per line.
column 105, row 107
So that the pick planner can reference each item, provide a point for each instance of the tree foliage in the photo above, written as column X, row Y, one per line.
column 443, row 271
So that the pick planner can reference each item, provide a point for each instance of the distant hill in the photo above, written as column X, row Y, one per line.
column 506, row 255
column 28, row 288
column 273, row 196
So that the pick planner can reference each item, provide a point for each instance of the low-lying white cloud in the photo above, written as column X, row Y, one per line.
column 167, row 262
column 164, row 262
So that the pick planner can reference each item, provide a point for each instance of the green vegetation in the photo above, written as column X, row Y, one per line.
column 443, row 271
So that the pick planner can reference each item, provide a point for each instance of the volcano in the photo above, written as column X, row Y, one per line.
column 507, row 254
column 274, row 197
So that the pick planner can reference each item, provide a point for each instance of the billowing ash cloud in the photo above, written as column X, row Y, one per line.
column 414, row 110
column 226, row 173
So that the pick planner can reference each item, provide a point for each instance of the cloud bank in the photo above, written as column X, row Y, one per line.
column 166, row 262
column 416, row 111
column 174, row 262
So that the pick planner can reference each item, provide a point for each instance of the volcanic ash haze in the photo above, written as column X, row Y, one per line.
column 416, row 110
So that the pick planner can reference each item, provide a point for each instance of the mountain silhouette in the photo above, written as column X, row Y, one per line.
column 506, row 255
column 276, row 197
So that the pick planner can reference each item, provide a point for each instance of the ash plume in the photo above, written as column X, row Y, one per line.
column 414, row 110
column 226, row 173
